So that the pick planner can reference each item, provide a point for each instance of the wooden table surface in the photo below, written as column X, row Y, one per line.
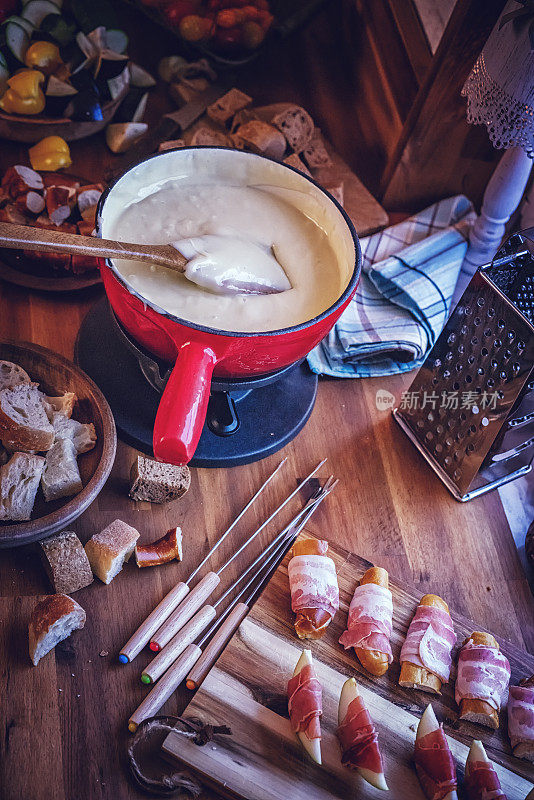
column 63, row 724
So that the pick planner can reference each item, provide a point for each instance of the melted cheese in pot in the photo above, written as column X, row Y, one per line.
column 178, row 209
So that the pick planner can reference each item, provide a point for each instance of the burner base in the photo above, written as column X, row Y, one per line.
column 269, row 416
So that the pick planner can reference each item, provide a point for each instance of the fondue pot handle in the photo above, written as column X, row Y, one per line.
column 182, row 408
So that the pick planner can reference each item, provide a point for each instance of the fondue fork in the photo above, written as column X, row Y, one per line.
column 165, row 607
column 211, row 580
column 240, row 280
column 207, row 613
column 195, row 663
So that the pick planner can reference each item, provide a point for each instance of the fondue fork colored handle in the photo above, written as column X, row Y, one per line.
column 172, row 599
column 207, row 613
column 234, row 614
column 198, row 595
column 25, row 237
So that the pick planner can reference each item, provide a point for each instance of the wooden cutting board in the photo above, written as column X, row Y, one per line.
column 263, row 760
column 365, row 212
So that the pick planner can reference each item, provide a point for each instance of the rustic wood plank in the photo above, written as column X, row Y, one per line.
column 260, row 658
column 438, row 153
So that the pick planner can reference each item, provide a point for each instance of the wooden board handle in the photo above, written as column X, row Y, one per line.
column 165, row 687
column 155, row 620
column 26, row 237
column 217, row 644
column 185, row 611
column 177, row 645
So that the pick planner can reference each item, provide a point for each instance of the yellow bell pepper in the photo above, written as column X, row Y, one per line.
column 24, row 95
column 43, row 56
column 50, row 154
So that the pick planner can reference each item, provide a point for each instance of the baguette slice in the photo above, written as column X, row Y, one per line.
column 64, row 404
column 61, row 476
column 81, row 434
column 19, row 481
column 53, row 620
column 155, row 482
column 12, row 375
column 108, row 550
column 66, row 562
column 23, row 421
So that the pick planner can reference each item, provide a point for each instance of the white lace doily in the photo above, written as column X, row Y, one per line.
column 500, row 88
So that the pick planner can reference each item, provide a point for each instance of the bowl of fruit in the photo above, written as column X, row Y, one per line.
column 228, row 31
column 63, row 68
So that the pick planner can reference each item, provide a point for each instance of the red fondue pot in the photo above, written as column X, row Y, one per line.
column 198, row 351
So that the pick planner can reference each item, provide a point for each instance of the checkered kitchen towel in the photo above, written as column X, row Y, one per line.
column 409, row 272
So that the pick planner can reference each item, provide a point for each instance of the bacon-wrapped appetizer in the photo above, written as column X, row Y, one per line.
column 358, row 737
column 305, row 703
column 433, row 759
column 314, row 589
column 482, row 680
column 481, row 780
column 426, row 653
column 521, row 719
column 370, row 622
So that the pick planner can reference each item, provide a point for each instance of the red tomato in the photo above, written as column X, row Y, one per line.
column 176, row 10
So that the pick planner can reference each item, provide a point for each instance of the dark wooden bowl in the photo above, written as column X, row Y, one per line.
column 57, row 375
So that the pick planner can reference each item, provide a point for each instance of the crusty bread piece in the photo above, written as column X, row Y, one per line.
column 108, row 550
column 525, row 749
column 292, row 120
column 263, row 138
column 61, row 476
column 316, row 154
column 82, row 434
column 64, row 404
column 414, row 677
column 337, row 192
column 374, row 661
column 210, row 137
column 66, row 562
column 12, row 375
column 295, row 161
column 156, row 482
column 23, row 421
column 478, row 710
column 19, row 481
column 53, row 619
column 226, row 106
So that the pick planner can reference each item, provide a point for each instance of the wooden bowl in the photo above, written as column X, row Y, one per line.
column 33, row 129
column 57, row 375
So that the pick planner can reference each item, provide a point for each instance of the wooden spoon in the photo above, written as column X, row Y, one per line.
column 239, row 280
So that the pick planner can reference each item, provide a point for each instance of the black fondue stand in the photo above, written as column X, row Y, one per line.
column 247, row 419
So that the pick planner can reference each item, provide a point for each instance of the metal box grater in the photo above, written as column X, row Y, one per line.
column 470, row 408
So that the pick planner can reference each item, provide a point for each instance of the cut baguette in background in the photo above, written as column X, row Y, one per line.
column 19, row 481
column 66, row 562
column 64, row 404
column 61, row 476
column 12, row 375
column 53, row 620
column 108, row 550
column 24, row 425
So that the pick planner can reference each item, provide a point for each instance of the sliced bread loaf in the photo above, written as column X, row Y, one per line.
column 66, row 562
column 61, row 476
column 12, row 375
column 156, row 482
column 23, row 421
column 19, row 481
column 53, row 619
column 108, row 550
